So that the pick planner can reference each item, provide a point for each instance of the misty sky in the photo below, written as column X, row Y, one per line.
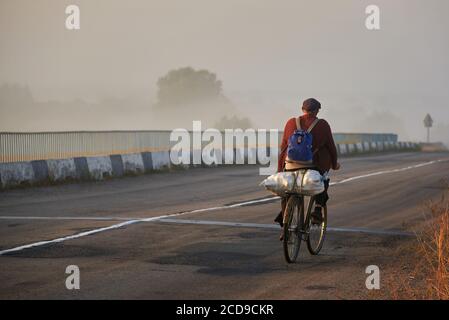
column 270, row 55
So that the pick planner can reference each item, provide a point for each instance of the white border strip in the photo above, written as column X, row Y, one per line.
column 276, row 227
column 127, row 223
column 68, row 218
column 389, row 171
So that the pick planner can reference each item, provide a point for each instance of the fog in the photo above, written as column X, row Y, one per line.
column 270, row 55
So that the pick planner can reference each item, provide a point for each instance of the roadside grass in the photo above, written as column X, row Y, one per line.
column 434, row 250
column 422, row 269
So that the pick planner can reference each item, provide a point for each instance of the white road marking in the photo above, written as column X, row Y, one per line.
column 388, row 171
column 75, row 236
column 276, row 227
column 129, row 222
column 68, row 218
column 87, row 233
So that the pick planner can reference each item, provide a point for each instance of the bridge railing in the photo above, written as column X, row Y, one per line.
column 16, row 147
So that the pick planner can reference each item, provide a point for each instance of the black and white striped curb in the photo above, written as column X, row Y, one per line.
column 98, row 168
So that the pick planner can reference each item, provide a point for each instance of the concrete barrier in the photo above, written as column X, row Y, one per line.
column 147, row 161
column 133, row 163
column 366, row 147
column 40, row 169
column 98, row 168
column 370, row 147
column 62, row 169
column 117, row 165
column 343, row 148
column 14, row 174
column 160, row 160
column 380, row 146
column 388, row 146
column 351, row 148
column 82, row 168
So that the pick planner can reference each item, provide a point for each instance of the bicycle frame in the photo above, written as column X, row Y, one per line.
column 306, row 219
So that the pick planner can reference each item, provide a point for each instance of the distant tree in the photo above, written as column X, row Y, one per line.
column 233, row 123
column 186, row 85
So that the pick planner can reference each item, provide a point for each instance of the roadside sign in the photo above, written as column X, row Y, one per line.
column 428, row 123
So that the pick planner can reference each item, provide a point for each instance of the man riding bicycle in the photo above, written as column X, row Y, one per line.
column 324, row 152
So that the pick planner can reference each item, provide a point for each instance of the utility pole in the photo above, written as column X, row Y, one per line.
column 428, row 122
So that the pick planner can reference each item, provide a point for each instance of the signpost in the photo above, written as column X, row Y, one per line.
column 428, row 122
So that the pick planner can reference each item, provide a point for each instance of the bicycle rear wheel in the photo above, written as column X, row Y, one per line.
column 293, row 223
column 317, row 233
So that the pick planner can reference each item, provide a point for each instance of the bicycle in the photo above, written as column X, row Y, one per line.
column 297, row 229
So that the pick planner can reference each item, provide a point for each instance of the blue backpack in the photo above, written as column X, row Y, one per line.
column 300, row 144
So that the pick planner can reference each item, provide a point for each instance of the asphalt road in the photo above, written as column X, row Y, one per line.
column 139, row 256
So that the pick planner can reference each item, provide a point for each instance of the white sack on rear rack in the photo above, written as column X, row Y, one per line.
column 312, row 183
column 280, row 183
column 306, row 182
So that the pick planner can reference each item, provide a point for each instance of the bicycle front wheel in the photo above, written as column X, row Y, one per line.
column 293, row 224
